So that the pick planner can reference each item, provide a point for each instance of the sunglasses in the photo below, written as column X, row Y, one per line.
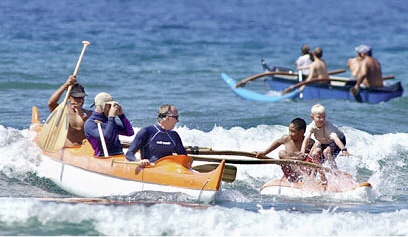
column 174, row 116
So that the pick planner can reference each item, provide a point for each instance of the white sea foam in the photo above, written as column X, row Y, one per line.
column 174, row 219
column 375, row 155
column 240, row 210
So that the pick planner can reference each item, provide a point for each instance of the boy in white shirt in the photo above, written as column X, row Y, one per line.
column 329, row 139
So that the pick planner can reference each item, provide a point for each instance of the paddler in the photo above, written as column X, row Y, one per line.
column 158, row 140
column 293, row 144
column 77, row 114
column 370, row 74
column 318, row 68
column 106, row 109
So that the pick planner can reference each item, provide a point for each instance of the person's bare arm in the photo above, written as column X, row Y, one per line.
column 305, row 142
column 340, row 144
column 53, row 101
column 360, row 76
column 303, row 67
column 310, row 76
column 277, row 143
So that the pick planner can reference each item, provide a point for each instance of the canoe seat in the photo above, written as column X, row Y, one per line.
column 84, row 149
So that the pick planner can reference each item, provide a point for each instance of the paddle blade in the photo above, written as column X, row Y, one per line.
column 356, row 95
column 229, row 174
column 54, row 132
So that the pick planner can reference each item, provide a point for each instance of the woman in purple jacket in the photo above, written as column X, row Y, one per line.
column 106, row 109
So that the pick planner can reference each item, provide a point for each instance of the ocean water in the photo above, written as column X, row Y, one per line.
column 146, row 53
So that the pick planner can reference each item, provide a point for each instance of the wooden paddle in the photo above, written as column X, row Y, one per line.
column 102, row 137
column 259, row 162
column 54, row 132
column 291, row 88
column 388, row 77
column 251, row 78
column 260, row 158
column 228, row 175
column 196, row 149
column 209, row 151
column 356, row 93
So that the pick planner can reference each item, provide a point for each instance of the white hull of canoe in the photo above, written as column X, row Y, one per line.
column 82, row 182
column 357, row 194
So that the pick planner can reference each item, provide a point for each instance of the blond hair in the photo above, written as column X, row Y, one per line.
column 164, row 110
column 318, row 109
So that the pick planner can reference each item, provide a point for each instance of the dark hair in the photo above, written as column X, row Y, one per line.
column 305, row 49
column 318, row 52
column 299, row 123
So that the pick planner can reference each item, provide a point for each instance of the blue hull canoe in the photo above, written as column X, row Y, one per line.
column 322, row 91
column 334, row 90
column 255, row 96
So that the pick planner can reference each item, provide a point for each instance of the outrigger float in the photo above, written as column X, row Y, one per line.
column 345, row 189
column 281, row 79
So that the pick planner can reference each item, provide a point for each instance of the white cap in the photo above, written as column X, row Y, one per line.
column 101, row 99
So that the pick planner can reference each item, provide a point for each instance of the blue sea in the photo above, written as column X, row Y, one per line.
column 147, row 53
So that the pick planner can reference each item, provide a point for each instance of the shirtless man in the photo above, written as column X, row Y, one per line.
column 77, row 115
column 318, row 68
column 354, row 65
column 293, row 144
column 370, row 70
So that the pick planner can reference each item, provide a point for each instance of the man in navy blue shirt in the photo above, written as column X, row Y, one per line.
column 158, row 140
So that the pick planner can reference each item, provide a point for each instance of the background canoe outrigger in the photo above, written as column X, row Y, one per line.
column 278, row 79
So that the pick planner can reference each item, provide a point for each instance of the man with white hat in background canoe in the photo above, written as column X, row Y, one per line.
column 369, row 72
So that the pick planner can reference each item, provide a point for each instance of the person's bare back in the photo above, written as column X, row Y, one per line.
column 373, row 72
column 354, row 65
column 370, row 71
column 318, row 70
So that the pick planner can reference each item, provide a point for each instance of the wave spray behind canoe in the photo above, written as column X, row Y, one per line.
column 383, row 166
